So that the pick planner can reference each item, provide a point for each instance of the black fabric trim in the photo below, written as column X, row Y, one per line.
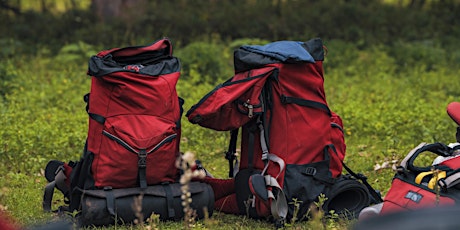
column 315, row 48
column 98, row 67
column 142, row 165
column 244, row 60
column 169, row 201
column 439, row 148
column 230, row 155
column 251, row 139
column 303, row 102
column 97, row 117
column 110, row 200
column 335, row 125
column 376, row 196
column 119, row 141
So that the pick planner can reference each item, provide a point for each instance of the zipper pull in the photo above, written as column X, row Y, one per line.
column 250, row 108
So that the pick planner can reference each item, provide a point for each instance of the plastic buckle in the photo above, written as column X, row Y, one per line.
column 142, row 162
column 60, row 168
column 265, row 156
column 229, row 155
column 283, row 99
column 442, row 185
column 310, row 171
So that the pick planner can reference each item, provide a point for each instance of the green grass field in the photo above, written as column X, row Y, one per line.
column 390, row 99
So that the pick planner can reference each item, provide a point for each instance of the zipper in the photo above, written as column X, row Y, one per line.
column 131, row 149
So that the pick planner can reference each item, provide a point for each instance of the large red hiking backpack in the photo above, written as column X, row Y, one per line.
column 292, row 144
column 134, row 112
column 133, row 140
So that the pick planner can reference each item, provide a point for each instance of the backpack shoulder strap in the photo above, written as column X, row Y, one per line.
column 376, row 196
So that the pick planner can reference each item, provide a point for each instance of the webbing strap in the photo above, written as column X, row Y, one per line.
column 435, row 177
column 169, row 200
column 303, row 102
column 377, row 197
column 97, row 117
column 251, row 139
column 263, row 143
column 278, row 206
column 230, row 154
column 60, row 181
column 142, row 165
column 363, row 179
column 48, row 196
column 276, row 159
column 110, row 200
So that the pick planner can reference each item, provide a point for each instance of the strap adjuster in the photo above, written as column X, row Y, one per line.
column 142, row 162
column 311, row 171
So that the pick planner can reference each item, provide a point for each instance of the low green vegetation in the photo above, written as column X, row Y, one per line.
column 389, row 97
column 391, row 69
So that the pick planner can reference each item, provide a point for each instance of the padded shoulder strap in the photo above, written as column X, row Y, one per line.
column 405, row 161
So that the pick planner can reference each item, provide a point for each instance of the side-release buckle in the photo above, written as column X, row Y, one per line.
column 142, row 162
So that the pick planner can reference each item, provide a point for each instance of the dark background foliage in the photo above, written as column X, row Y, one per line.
column 363, row 22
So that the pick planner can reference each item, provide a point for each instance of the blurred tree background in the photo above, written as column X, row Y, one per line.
column 30, row 25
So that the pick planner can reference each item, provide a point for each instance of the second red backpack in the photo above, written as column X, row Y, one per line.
column 292, row 144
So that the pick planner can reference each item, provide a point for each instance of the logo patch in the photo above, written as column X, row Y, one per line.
column 135, row 68
column 413, row 196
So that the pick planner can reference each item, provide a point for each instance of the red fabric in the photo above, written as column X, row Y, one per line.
column 453, row 109
column 299, row 134
column 67, row 172
column 298, row 131
column 338, row 140
column 224, row 194
column 226, row 103
column 221, row 187
column 452, row 163
column 405, row 196
column 7, row 223
column 227, row 204
column 142, row 111
column 163, row 44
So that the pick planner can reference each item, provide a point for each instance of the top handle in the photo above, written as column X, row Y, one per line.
column 437, row 148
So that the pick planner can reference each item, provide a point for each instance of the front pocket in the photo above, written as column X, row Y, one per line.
column 404, row 194
column 135, row 149
column 304, row 183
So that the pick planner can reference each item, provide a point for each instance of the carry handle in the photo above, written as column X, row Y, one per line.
column 437, row 148
column 163, row 44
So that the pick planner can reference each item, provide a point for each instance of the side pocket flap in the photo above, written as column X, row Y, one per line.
column 220, row 110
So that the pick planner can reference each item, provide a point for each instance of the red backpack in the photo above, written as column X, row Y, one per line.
column 133, row 142
column 416, row 186
column 134, row 112
column 292, row 144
